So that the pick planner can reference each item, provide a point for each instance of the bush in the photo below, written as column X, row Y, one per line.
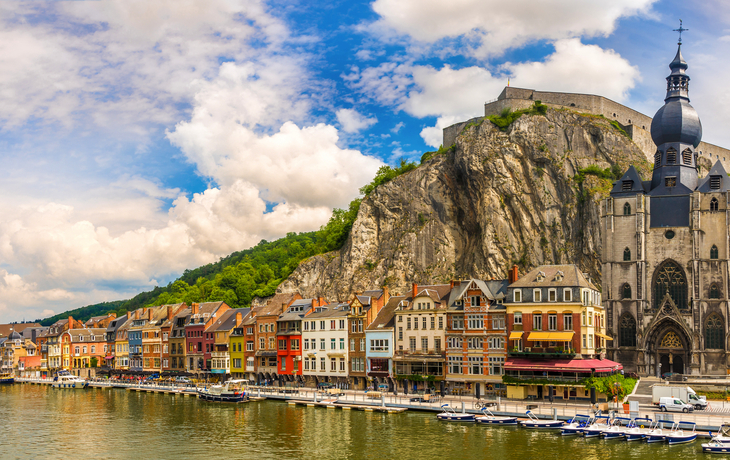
column 507, row 116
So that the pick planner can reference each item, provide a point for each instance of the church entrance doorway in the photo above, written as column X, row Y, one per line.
column 678, row 365
column 669, row 348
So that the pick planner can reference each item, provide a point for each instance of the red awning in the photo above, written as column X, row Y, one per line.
column 109, row 357
column 562, row 365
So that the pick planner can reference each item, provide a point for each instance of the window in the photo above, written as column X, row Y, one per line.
column 714, row 291
column 715, row 182
column 670, row 279
column 537, row 321
column 408, row 323
column 342, row 324
column 713, row 252
column 584, row 341
column 517, row 295
column 321, row 325
column 475, row 343
column 262, row 343
column 441, row 322
column 362, row 344
column 475, row 321
column 627, row 254
column 437, row 345
column 424, row 319
column 333, row 324
column 671, row 156
column 536, row 295
column 627, row 185
column 567, row 295
column 424, row 344
column 476, row 365
column 567, row 321
column 352, row 344
column 400, row 333
column 475, row 301
column 379, row 345
column 590, row 340
column 657, row 159
column 321, row 344
column 454, row 364
column 670, row 181
column 498, row 322
column 342, row 344
column 272, row 343
column 553, row 322
column 295, row 344
column 333, row 344
column 496, row 343
column 552, row 295
column 454, row 342
column 496, row 365
column 306, row 364
column 282, row 344
column 433, row 323
column 342, row 364
column 714, row 205
column 627, row 209
column 283, row 364
column 687, row 157
column 313, row 325
column 627, row 331
column 518, row 318
column 249, row 346
column 457, row 322
column 415, row 323
column 626, row 291
column 714, row 332
column 412, row 343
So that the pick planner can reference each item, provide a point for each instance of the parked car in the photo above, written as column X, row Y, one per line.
column 183, row 380
column 674, row 405
column 673, row 376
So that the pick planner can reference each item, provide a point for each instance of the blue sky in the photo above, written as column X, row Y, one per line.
column 141, row 138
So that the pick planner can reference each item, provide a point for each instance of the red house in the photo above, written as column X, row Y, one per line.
column 199, row 342
column 289, row 338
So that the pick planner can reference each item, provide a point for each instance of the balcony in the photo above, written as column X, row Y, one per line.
column 419, row 355
column 219, row 354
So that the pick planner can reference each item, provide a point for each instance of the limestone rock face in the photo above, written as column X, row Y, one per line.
column 494, row 200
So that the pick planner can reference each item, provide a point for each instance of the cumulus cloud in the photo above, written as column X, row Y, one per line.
column 492, row 26
column 454, row 95
column 352, row 121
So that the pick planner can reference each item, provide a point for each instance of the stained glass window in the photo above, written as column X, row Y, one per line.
column 713, row 252
column 714, row 204
column 627, row 209
column 627, row 331
column 626, row 291
column 670, row 279
column 671, row 340
column 627, row 254
column 714, row 331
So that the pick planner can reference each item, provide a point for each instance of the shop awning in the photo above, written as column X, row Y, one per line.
column 515, row 335
column 562, row 365
column 551, row 336
column 604, row 336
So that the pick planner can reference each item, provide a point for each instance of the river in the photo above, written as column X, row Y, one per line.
column 40, row 422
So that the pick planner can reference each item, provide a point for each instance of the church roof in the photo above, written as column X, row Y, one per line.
column 629, row 184
column 710, row 182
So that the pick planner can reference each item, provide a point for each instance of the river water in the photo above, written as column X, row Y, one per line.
column 40, row 422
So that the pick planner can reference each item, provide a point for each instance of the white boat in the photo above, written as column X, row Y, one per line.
column 678, row 435
column 723, row 434
column 6, row 378
column 576, row 425
column 658, row 433
column 599, row 425
column 233, row 391
column 64, row 379
column 490, row 419
column 715, row 447
column 449, row 414
column 618, row 428
column 640, row 427
column 536, row 423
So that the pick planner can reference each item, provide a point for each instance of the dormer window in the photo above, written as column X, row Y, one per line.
column 671, row 156
column 540, row 276
column 715, row 182
column 627, row 185
column 559, row 276
column 687, row 157
column 657, row 159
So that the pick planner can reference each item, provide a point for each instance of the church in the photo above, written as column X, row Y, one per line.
column 665, row 251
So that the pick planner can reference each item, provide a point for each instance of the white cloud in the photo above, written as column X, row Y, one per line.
column 492, row 26
column 454, row 95
column 352, row 121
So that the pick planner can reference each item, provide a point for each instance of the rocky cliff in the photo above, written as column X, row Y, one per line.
column 494, row 199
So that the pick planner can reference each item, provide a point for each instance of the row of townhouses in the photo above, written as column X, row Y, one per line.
column 463, row 336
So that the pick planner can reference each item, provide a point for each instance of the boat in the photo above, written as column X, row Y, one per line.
column 534, row 422
column 658, row 433
column 639, row 429
column 6, row 378
column 681, row 436
column 723, row 434
column 489, row 418
column 64, row 379
column 599, row 425
column 233, row 391
column 450, row 415
column 576, row 425
column 618, row 428
column 715, row 447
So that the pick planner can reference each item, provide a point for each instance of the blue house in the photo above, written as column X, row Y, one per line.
column 380, row 340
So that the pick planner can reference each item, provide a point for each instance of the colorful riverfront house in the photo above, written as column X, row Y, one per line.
column 140, row 318
column 198, row 340
column 380, row 343
column 289, row 338
column 364, row 307
column 177, row 340
column 325, row 345
column 153, row 347
column 166, row 333
column 53, row 351
column 246, row 368
column 556, row 326
column 476, row 336
column 96, row 322
column 121, row 344
column 13, row 350
column 85, row 347
column 221, row 330
column 421, row 325
column 265, row 330
column 111, row 337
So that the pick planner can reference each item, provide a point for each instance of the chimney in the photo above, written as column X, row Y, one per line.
column 70, row 322
column 195, row 308
column 315, row 303
column 321, row 301
column 414, row 290
column 239, row 318
column 512, row 275
column 386, row 295
column 451, row 284
column 169, row 312
column 113, row 315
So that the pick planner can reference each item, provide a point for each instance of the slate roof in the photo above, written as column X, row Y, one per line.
column 717, row 170
column 116, row 323
column 572, row 277
column 331, row 310
column 98, row 333
column 637, row 185
column 227, row 320
column 251, row 318
column 274, row 305
column 386, row 316
column 19, row 327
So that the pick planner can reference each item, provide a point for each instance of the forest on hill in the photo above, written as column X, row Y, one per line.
column 244, row 275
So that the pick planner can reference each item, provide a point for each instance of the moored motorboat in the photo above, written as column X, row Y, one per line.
column 723, row 434
column 534, row 422
column 678, row 435
column 639, row 429
column 449, row 414
column 64, row 379
column 233, row 391
column 618, row 428
column 658, row 433
column 489, row 418
column 600, row 424
column 6, row 378
column 576, row 425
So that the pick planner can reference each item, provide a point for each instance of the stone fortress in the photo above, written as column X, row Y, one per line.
column 635, row 124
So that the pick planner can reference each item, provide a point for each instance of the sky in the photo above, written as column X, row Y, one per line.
column 140, row 138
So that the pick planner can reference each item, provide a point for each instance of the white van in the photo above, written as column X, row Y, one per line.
column 674, row 404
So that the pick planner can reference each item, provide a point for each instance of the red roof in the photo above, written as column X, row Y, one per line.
column 562, row 365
